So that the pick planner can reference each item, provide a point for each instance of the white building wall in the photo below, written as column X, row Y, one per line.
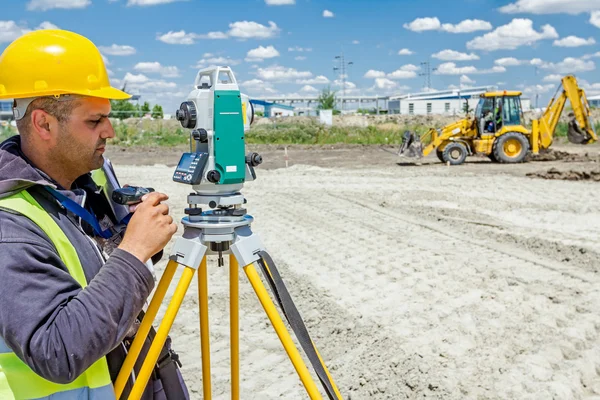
column 448, row 107
column 281, row 112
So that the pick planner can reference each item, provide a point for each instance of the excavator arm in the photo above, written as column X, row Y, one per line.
column 581, row 127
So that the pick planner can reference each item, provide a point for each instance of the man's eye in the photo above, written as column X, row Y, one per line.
column 95, row 121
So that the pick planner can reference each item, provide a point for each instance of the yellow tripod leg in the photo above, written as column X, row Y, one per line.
column 144, row 329
column 282, row 332
column 161, row 334
column 234, row 274
column 204, row 335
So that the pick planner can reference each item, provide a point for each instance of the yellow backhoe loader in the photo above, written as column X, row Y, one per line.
column 497, row 129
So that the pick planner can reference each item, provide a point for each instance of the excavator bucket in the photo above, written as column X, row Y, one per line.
column 411, row 146
column 576, row 135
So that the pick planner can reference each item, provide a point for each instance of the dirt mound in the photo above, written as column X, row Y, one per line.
column 555, row 155
column 553, row 173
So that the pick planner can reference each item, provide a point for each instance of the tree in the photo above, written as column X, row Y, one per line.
column 326, row 100
column 466, row 107
column 157, row 112
column 145, row 108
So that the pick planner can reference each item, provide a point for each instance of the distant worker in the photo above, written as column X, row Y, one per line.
column 574, row 132
column 69, row 302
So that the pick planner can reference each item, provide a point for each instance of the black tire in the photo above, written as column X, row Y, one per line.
column 454, row 153
column 510, row 148
column 492, row 157
column 440, row 155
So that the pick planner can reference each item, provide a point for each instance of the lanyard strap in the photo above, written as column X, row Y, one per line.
column 80, row 212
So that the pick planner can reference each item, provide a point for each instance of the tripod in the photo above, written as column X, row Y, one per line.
column 217, row 232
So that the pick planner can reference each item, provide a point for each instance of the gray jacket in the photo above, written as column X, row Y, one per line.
column 51, row 323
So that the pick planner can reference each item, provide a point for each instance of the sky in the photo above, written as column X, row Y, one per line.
column 289, row 47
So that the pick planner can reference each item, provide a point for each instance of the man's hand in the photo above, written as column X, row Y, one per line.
column 150, row 228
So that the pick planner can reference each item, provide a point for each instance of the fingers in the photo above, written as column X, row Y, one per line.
column 154, row 198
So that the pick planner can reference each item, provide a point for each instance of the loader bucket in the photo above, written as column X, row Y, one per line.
column 411, row 146
column 576, row 135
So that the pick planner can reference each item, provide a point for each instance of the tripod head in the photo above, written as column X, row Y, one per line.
column 217, row 115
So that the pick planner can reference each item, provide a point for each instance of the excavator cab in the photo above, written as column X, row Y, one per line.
column 497, row 110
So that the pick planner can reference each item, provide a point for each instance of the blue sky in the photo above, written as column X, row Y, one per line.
column 284, row 47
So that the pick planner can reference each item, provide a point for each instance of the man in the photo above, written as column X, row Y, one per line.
column 69, row 303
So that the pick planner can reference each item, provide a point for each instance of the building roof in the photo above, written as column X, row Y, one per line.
column 270, row 104
column 449, row 94
column 597, row 97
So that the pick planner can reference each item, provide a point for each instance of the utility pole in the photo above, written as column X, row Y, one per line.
column 342, row 69
column 427, row 74
column 537, row 94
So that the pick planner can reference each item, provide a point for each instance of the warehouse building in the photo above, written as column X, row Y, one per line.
column 594, row 101
column 444, row 102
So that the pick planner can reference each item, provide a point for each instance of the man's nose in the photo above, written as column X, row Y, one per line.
column 109, row 131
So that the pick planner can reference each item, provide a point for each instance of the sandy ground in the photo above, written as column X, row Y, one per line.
column 415, row 281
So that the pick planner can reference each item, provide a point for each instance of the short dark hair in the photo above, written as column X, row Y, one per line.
column 61, row 110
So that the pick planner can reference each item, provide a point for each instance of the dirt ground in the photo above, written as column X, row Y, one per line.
column 415, row 281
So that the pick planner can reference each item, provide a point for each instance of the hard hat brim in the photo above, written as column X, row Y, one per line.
column 108, row 92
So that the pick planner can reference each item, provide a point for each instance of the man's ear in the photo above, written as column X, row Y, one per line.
column 42, row 124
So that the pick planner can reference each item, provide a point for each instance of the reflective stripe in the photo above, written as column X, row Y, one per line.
column 4, row 347
column 102, row 393
column 17, row 379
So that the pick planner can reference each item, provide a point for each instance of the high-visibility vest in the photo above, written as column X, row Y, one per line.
column 17, row 380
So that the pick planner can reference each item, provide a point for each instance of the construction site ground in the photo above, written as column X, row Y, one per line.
column 415, row 281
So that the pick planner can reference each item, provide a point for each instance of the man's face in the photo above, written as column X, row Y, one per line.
column 82, row 139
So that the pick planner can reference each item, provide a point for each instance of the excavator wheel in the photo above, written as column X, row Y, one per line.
column 440, row 155
column 454, row 153
column 512, row 147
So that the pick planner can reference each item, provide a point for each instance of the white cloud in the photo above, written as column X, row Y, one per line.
column 372, row 74
column 540, row 89
column 466, row 80
column 552, row 78
column 452, row 55
column 241, row 29
column 319, row 80
column 327, row 14
column 589, row 56
column 47, row 25
column 574, row 41
column 105, row 59
column 402, row 74
column 179, row 37
column 551, row 6
column 570, row 65
column 299, row 58
column 280, row 2
column 384, row 83
column 450, row 68
column 309, row 89
column 424, row 24
column 149, row 2
column 300, row 49
column 9, row 30
column 595, row 19
column 157, row 68
column 510, row 62
column 434, row 24
column 355, row 42
column 261, row 53
column 251, row 29
column 536, row 61
column 405, row 52
column 212, row 35
column 210, row 59
column 467, row 26
column 135, row 79
column 44, row 5
column 278, row 73
column 518, row 32
column 117, row 50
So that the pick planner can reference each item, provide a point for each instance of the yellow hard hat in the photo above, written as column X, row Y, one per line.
column 54, row 62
